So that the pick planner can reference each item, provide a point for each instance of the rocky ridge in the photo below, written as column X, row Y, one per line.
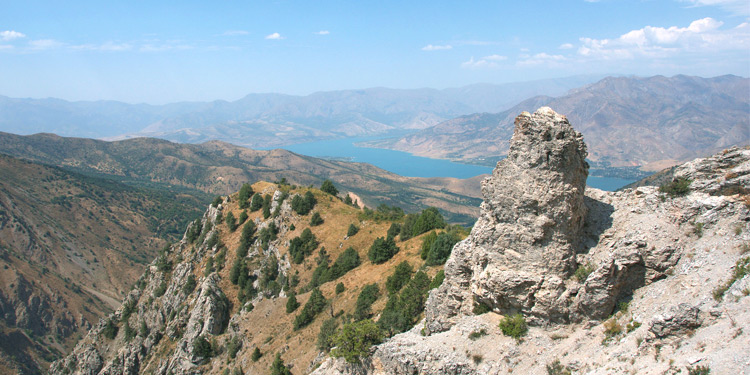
column 610, row 282
column 187, row 315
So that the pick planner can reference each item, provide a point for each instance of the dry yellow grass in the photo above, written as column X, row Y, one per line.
column 268, row 326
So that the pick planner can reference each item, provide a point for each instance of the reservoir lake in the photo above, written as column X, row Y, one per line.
column 405, row 164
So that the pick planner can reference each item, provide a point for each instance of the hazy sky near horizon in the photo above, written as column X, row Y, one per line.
column 166, row 51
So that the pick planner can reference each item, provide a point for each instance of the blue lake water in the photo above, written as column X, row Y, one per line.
column 405, row 164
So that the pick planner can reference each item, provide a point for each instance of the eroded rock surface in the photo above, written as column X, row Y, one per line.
column 522, row 248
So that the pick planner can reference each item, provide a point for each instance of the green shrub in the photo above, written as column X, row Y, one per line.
column 193, row 231
column 612, row 328
column 556, row 368
column 231, row 221
column 394, row 230
column 256, row 354
column 316, row 220
column 698, row 229
column 329, row 188
column 302, row 246
column 354, row 340
column 327, row 331
column 583, row 271
column 676, row 188
column 514, row 326
column 438, row 279
column 403, row 310
column 189, row 285
column 382, row 250
column 110, row 330
column 202, row 347
column 699, row 370
column 741, row 268
column 353, row 229
column 427, row 244
column 161, row 289
column 303, row 205
column 401, row 275
column 246, row 191
column 128, row 332
column 291, row 303
column 340, row 288
column 256, row 203
column 440, row 249
column 477, row 334
column 366, row 298
column 315, row 305
column 233, row 346
column 278, row 367
column 217, row 201
column 481, row 308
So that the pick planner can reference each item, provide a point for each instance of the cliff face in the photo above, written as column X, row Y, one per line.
column 610, row 282
column 522, row 248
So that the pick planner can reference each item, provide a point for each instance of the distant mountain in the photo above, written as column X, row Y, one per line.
column 267, row 120
column 71, row 246
column 650, row 122
column 220, row 168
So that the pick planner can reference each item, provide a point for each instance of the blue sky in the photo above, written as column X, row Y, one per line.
column 159, row 52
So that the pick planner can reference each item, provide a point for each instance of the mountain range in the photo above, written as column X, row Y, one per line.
column 268, row 120
column 651, row 123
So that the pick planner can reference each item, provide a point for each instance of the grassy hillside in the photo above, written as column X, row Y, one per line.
column 256, row 275
column 71, row 246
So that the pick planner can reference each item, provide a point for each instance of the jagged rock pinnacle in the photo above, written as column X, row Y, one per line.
column 523, row 246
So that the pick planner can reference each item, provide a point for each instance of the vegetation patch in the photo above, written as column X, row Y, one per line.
column 678, row 187
column 583, row 271
column 514, row 326
column 741, row 268
column 382, row 250
column 354, row 340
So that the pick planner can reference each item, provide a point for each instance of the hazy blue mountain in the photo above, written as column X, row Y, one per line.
column 626, row 121
column 262, row 120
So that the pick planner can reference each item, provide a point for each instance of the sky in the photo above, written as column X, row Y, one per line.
column 166, row 51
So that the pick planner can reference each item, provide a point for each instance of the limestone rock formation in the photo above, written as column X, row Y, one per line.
column 600, row 277
column 522, row 249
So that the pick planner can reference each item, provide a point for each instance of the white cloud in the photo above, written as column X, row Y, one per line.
column 740, row 7
column 490, row 62
column 541, row 58
column 8, row 35
column 323, row 32
column 565, row 46
column 235, row 32
column 107, row 46
column 431, row 47
column 43, row 44
column 703, row 35
column 274, row 36
column 168, row 46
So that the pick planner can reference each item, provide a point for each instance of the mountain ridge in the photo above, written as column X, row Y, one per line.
column 648, row 122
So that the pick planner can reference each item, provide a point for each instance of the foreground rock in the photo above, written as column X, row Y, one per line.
column 611, row 282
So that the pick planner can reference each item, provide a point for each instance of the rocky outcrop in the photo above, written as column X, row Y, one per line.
column 522, row 248
column 638, row 277
column 679, row 319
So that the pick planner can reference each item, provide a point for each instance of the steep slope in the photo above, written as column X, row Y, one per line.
column 649, row 122
column 220, row 168
column 640, row 281
column 71, row 247
column 208, row 302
